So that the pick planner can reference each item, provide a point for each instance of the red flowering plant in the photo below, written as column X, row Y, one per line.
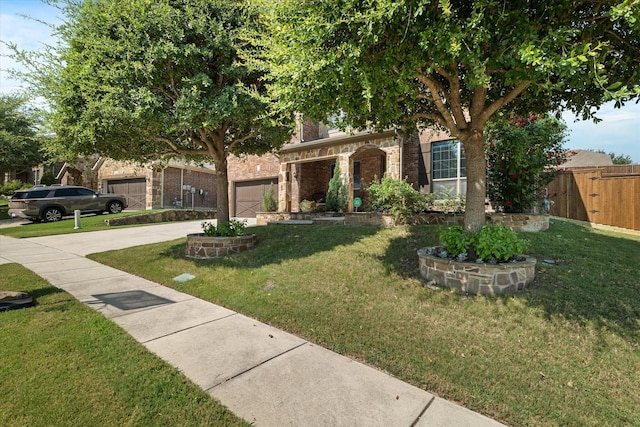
column 522, row 154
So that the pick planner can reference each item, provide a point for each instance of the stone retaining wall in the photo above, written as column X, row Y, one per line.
column 162, row 216
column 477, row 278
column 517, row 222
column 201, row 246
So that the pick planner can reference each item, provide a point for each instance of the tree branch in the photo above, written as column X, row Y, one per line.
column 235, row 142
column 435, row 88
column 502, row 101
column 453, row 95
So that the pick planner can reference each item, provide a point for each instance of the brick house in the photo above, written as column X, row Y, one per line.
column 431, row 161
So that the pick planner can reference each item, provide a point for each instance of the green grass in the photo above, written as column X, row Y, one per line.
column 66, row 226
column 564, row 352
column 63, row 364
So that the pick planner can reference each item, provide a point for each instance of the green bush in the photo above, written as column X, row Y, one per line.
column 499, row 242
column 269, row 203
column 10, row 187
column 225, row 229
column 492, row 242
column 397, row 197
column 522, row 154
column 48, row 178
column 456, row 240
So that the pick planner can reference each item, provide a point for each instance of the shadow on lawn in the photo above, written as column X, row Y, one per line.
column 401, row 256
column 280, row 243
column 596, row 280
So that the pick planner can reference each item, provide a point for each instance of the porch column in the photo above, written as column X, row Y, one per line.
column 284, row 188
column 393, row 161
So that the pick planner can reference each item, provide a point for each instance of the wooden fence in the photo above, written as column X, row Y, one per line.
column 608, row 195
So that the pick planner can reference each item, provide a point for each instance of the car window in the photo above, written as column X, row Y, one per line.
column 85, row 192
column 36, row 194
column 66, row 192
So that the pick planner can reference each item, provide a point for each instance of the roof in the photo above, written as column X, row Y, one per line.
column 586, row 158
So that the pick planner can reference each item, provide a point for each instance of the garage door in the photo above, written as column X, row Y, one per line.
column 134, row 189
column 248, row 196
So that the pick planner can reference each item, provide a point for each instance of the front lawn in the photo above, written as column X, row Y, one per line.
column 66, row 226
column 63, row 364
column 564, row 352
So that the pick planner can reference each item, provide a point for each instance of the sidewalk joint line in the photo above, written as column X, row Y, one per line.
column 433, row 398
column 186, row 329
column 256, row 366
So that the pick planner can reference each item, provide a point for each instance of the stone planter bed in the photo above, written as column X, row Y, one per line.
column 168, row 215
column 201, row 246
column 516, row 222
column 477, row 278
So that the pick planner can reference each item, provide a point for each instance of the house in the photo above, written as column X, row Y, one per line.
column 430, row 160
column 586, row 158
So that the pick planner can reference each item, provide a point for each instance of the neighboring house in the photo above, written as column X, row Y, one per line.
column 31, row 175
column 431, row 161
column 586, row 158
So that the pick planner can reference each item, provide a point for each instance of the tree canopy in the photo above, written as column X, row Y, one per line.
column 453, row 64
column 138, row 79
column 19, row 141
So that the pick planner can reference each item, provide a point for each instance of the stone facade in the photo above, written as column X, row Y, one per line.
column 200, row 246
column 477, row 279
column 170, row 215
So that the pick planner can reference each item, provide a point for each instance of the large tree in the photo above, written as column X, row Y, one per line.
column 453, row 64
column 20, row 145
column 142, row 79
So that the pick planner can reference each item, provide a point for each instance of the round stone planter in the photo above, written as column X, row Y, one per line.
column 201, row 246
column 477, row 278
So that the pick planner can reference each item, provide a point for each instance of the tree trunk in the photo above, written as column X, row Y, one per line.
column 474, row 217
column 222, row 191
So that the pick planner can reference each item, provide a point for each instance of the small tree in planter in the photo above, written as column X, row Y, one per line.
column 521, row 157
column 337, row 197
column 269, row 203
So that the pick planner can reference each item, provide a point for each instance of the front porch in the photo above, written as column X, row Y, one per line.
column 306, row 168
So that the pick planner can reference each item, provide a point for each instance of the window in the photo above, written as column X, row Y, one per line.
column 445, row 156
column 66, row 192
column 448, row 167
column 356, row 175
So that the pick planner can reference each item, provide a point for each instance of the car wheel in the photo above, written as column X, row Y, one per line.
column 114, row 207
column 52, row 215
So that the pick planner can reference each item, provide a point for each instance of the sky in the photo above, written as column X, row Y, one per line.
column 618, row 132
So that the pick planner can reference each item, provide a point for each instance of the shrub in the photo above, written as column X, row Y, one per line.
column 521, row 155
column 48, row 178
column 337, row 197
column 397, row 197
column 449, row 202
column 492, row 242
column 456, row 240
column 225, row 229
column 269, row 203
column 10, row 187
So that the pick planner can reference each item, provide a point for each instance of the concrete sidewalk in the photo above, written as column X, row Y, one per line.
column 262, row 374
